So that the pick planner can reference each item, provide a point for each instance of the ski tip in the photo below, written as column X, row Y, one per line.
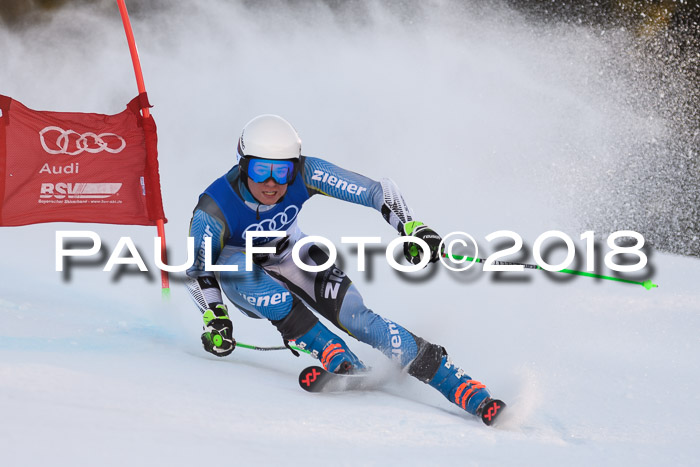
column 317, row 379
column 491, row 411
column 310, row 378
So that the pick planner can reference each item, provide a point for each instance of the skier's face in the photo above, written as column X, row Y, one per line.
column 269, row 192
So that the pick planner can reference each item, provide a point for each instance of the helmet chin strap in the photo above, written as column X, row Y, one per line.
column 247, row 187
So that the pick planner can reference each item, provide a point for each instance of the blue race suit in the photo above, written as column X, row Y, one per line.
column 276, row 289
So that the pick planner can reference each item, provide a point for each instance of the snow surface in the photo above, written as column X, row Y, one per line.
column 480, row 118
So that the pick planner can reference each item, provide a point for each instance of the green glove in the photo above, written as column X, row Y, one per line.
column 217, row 337
column 412, row 251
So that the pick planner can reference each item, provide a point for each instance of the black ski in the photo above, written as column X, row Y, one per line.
column 317, row 379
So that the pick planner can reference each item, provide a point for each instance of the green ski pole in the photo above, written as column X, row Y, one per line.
column 647, row 284
column 266, row 349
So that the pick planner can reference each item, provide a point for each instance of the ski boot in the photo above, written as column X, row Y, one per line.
column 334, row 354
column 468, row 394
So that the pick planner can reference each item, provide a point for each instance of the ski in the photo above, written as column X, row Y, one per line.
column 317, row 379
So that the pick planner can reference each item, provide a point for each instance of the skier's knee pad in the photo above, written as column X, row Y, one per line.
column 297, row 322
column 427, row 361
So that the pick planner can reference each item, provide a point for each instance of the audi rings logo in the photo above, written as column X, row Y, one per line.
column 56, row 140
column 279, row 222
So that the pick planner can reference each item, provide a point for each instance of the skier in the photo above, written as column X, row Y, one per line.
column 265, row 192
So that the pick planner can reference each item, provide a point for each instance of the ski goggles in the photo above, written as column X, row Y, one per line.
column 262, row 170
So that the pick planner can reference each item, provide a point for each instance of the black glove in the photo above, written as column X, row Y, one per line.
column 412, row 251
column 217, row 337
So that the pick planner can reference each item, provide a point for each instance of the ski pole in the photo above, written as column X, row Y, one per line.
column 647, row 284
column 266, row 349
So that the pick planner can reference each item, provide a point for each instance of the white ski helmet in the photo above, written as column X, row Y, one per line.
column 269, row 137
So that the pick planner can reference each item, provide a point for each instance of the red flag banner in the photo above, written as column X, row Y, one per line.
column 78, row 167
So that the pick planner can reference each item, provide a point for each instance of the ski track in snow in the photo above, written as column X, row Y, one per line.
column 95, row 368
column 131, row 386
